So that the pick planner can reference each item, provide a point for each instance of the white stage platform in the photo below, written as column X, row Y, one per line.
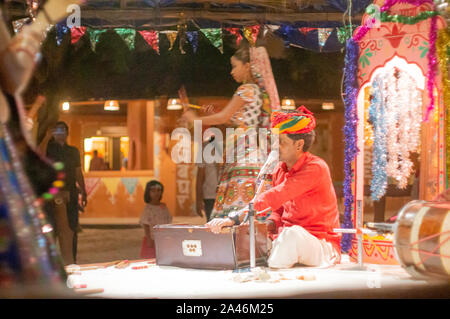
column 299, row 282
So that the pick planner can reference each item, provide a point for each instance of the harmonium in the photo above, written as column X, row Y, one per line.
column 195, row 246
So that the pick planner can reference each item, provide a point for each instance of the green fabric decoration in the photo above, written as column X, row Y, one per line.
column 385, row 17
column 94, row 36
column 214, row 36
column 128, row 35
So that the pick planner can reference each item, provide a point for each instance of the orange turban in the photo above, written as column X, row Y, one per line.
column 298, row 122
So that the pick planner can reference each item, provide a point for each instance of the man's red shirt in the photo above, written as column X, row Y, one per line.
column 304, row 196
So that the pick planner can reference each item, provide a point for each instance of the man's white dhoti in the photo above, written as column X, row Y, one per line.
column 296, row 245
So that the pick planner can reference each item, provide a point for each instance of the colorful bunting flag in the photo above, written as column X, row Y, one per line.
column 152, row 38
column 193, row 39
column 94, row 35
column 76, row 33
column 214, row 36
column 305, row 31
column 61, row 30
column 271, row 28
column 111, row 184
column 237, row 33
column 130, row 184
column 171, row 36
column 323, row 35
column 128, row 35
column 91, row 184
column 251, row 33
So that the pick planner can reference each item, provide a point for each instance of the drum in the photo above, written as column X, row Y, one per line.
column 422, row 238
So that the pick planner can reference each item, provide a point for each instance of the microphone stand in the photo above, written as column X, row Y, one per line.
column 251, row 217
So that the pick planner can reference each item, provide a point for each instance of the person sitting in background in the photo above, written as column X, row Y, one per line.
column 97, row 163
column 154, row 213
column 302, row 199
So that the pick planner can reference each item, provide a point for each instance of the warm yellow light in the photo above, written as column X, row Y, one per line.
column 87, row 162
column 88, row 145
column 112, row 105
column 66, row 106
column 174, row 104
column 98, row 139
column 327, row 106
column 288, row 104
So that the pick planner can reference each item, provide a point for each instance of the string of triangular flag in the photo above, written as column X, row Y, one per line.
column 214, row 35
column 152, row 38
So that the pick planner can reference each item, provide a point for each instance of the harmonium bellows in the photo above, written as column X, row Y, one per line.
column 195, row 246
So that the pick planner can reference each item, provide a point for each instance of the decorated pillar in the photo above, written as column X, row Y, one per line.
column 394, row 105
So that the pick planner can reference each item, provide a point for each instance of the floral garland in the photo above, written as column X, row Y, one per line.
column 409, row 122
column 397, row 129
column 385, row 17
column 379, row 159
column 392, row 116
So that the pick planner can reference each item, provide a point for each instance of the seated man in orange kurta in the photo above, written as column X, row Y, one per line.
column 303, row 200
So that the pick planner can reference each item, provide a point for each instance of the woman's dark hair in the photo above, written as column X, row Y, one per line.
column 147, row 197
column 243, row 54
column 274, row 49
column 308, row 139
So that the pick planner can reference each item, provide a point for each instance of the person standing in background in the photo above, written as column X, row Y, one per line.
column 206, row 185
column 65, row 204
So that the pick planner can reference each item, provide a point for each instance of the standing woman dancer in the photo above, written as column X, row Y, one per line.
column 249, row 108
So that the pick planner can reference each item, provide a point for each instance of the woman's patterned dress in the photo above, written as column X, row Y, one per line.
column 237, row 183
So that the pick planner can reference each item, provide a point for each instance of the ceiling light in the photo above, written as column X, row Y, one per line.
column 174, row 104
column 327, row 106
column 111, row 105
column 288, row 104
column 65, row 106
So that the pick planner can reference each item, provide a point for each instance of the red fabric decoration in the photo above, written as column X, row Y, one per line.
column 237, row 33
column 152, row 38
column 305, row 31
column 76, row 33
